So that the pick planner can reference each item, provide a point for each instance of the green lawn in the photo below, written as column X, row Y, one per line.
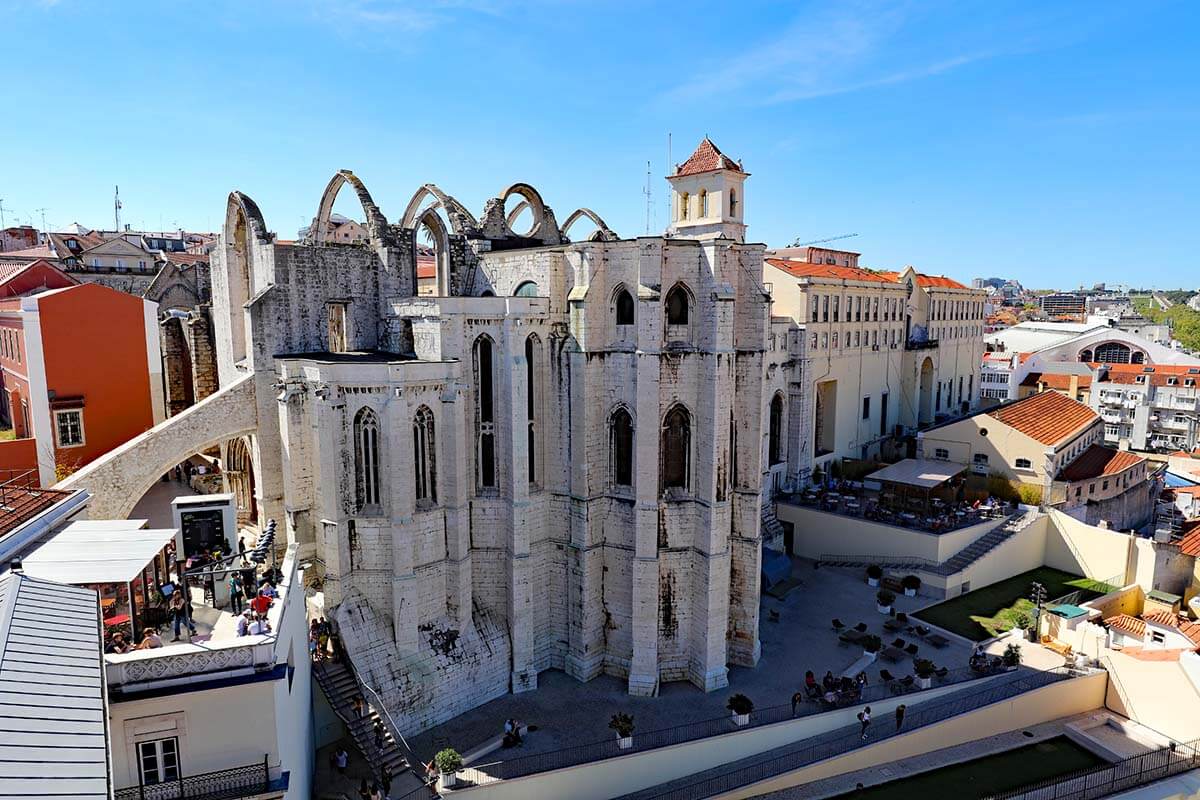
column 990, row 611
column 988, row 775
column 6, row 434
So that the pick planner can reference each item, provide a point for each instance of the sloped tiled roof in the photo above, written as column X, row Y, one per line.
column 1153, row 374
column 1056, row 380
column 41, row 251
column 1048, row 417
column 1097, row 461
column 1189, row 545
column 707, row 158
column 1127, row 624
column 186, row 259
column 805, row 269
column 938, row 282
column 1168, row 619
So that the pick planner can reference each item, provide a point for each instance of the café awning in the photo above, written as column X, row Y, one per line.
column 83, row 554
column 919, row 472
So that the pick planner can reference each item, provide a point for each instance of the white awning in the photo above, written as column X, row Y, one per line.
column 919, row 472
column 82, row 554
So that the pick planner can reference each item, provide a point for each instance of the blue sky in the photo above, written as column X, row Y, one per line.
column 1057, row 143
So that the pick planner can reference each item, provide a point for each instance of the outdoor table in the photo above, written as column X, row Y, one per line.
column 851, row 504
column 892, row 654
column 852, row 636
column 908, row 515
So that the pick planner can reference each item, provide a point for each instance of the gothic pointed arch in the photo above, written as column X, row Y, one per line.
column 366, row 461
column 623, row 308
column 244, row 226
column 424, row 457
column 602, row 233
column 375, row 221
column 432, row 221
column 675, row 470
column 462, row 223
column 620, row 445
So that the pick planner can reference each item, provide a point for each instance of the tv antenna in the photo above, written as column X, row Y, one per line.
column 42, row 211
column 649, row 198
column 2, row 225
column 117, row 208
column 799, row 243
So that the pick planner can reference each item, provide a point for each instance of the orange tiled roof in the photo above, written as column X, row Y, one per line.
column 1127, row 624
column 1055, row 380
column 1167, row 619
column 22, row 504
column 1189, row 545
column 1155, row 374
column 426, row 266
column 707, row 158
column 1048, row 417
column 805, row 269
column 1097, row 461
column 938, row 282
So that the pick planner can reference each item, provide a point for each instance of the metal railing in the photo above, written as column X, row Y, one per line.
column 663, row 737
column 225, row 784
column 1102, row 781
column 381, row 708
column 843, row 740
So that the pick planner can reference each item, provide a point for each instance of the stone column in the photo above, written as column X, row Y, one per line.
column 454, row 480
column 330, row 469
column 398, row 498
column 643, row 670
column 175, row 363
column 203, row 354
column 510, row 366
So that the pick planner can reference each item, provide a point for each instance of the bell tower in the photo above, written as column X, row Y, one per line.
column 706, row 196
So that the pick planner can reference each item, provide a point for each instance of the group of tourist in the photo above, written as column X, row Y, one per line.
column 118, row 643
column 323, row 641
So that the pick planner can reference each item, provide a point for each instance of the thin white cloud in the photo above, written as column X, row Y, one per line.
column 403, row 15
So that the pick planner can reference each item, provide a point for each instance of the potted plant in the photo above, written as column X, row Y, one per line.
column 871, row 645
column 911, row 584
column 740, row 707
column 884, row 599
column 874, row 573
column 622, row 723
column 1012, row 656
column 1022, row 625
column 924, row 669
column 448, row 762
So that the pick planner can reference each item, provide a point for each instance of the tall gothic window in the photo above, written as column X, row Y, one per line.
column 366, row 459
column 424, row 456
column 703, row 204
column 676, row 448
column 533, row 399
column 684, row 202
column 621, row 447
column 485, row 414
column 677, row 306
column 775, row 442
column 623, row 303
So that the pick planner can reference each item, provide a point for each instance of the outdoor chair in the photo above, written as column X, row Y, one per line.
column 901, row 617
column 941, row 672
column 908, row 681
column 838, row 625
column 899, row 643
column 893, row 625
column 912, row 649
column 861, row 627
column 886, row 676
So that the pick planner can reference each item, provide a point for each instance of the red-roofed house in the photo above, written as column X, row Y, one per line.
column 80, row 373
column 1106, row 486
column 889, row 349
column 21, row 278
column 707, row 197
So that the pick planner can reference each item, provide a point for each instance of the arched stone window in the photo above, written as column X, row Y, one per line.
column 485, row 414
column 733, row 203
column 366, row 460
column 1113, row 353
column 424, row 457
column 1085, row 355
column 703, row 204
column 684, row 201
column 677, row 306
column 676, row 449
column 623, row 306
column 620, row 444
column 533, row 403
column 775, row 440
column 526, row 289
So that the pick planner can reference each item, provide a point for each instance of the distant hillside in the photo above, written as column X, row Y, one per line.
column 1185, row 322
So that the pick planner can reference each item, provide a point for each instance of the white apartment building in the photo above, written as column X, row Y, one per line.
column 1152, row 407
column 888, row 352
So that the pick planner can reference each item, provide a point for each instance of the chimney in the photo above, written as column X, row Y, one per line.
column 1074, row 386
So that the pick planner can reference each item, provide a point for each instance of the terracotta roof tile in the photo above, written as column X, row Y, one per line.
column 1168, row 619
column 1097, row 461
column 1189, row 545
column 805, row 269
column 186, row 259
column 1055, row 380
column 707, row 158
column 22, row 504
column 1154, row 374
column 1127, row 624
column 938, row 282
column 1048, row 417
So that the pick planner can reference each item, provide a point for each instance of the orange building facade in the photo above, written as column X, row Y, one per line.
column 80, row 374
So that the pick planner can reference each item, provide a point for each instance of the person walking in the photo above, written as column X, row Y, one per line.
column 864, row 717
column 900, row 709
column 180, row 613
column 378, row 734
column 236, row 595
column 385, row 780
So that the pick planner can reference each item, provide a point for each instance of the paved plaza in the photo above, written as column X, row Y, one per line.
column 566, row 712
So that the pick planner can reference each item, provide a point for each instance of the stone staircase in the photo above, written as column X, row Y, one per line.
column 951, row 566
column 341, row 686
column 771, row 529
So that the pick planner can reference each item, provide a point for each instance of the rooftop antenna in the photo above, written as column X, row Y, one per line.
column 799, row 243
column 42, row 211
column 649, row 199
column 117, row 208
column 2, row 225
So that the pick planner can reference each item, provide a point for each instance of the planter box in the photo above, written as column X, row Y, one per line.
column 872, row 581
column 448, row 780
column 910, row 592
column 924, row 683
column 870, row 655
column 883, row 609
column 624, row 742
column 741, row 720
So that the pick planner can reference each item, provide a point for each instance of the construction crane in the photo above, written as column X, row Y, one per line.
column 799, row 243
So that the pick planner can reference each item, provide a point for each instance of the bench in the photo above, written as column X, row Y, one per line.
column 1063, row 650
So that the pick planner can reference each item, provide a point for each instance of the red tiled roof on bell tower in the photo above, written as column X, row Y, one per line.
column 707, row 158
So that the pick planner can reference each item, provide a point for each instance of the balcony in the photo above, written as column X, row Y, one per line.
column 256, row 780
column 923, row 344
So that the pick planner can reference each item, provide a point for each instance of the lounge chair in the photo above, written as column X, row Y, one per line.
column 912, row 650
column 941, row 672
column 907, row 681
column 838, row 625
column 899, row 643
column 861, row 627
